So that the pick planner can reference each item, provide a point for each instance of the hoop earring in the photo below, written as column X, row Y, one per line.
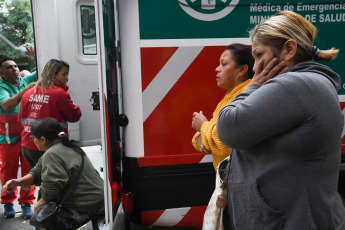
column 237, row 79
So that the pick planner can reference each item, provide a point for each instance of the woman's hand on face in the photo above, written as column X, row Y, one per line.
column 197, row 120
column 202, row 147
column 39, row 203
column 263, row 74
column 9, row 184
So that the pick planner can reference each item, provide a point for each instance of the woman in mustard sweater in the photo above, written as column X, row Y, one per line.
column 234, row 74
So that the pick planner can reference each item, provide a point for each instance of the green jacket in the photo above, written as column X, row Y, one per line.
column 54, row 172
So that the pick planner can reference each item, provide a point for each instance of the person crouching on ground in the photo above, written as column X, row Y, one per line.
column 55, row 171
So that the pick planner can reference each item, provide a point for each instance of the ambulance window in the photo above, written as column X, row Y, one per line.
column 88, row 30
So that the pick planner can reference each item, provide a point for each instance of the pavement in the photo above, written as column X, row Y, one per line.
column 19, row 223
column 95, row 155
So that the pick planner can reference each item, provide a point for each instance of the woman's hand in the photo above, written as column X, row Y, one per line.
column 39, row 203
column 9, row 184
column 263, row 74
column 198, row 120
column 202, row 147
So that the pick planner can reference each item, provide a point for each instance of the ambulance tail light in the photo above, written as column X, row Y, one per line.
column 115, row 194
column 128, row 203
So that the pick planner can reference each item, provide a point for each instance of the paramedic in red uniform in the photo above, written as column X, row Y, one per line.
column 12, row 88
column 49, row 98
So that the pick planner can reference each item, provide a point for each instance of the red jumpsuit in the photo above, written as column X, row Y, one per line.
column 10, row 144
column 52, row 102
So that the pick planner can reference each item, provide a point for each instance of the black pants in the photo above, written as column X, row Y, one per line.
column 31, row 156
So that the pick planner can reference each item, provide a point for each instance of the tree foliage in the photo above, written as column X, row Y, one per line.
column 16, row 26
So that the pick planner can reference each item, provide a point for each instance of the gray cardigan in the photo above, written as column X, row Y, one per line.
column 287, row 140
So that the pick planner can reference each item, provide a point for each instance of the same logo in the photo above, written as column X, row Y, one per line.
column 208, row 10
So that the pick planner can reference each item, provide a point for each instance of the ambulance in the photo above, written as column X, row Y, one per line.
column 139, row 69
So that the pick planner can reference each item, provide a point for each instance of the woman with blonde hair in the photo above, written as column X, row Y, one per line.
column 285, row 130
column 49, row 98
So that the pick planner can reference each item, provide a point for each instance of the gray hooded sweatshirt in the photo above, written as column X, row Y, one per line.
column 286, row 137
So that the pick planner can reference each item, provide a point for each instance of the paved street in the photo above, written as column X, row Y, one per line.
column 95, row 155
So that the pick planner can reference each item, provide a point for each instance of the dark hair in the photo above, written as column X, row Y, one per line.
column 50, row 129
column 3, row 60
column 242, row 54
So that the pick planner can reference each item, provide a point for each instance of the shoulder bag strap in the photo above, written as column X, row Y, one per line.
column 74, row 183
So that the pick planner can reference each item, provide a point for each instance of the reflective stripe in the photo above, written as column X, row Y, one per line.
column 171, row 217
column 28, row 189
column 28, row 121
column 12, row 190
column 7, row 133
column 167, row 77
column 9, row 117
column 8, row 114
column 206, row 159
column 9, row 127
column 178, row 217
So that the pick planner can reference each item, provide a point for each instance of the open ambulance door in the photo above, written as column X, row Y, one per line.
column 65, row 29
column 112, row 119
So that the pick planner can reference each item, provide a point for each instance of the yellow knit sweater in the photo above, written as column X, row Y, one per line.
column 208, row 132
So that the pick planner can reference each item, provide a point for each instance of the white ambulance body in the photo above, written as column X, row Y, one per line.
column 59, row 35
column 152, row 64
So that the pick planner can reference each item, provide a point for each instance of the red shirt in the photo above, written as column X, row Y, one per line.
column 52, row 102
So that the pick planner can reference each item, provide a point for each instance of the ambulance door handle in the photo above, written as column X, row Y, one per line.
column 95, row 98
column 123, row 120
